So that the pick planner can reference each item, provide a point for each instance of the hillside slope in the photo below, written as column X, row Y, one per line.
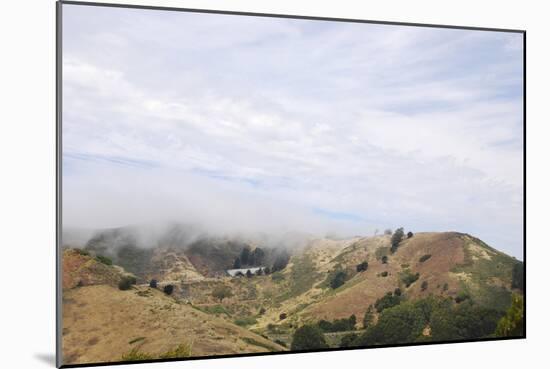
column 102, row 323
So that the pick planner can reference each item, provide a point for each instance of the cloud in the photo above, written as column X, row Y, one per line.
column 276, row 123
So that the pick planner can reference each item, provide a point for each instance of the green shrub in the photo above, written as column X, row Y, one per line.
column 126, row 283
column 362, row 267
column 245, row 321
column 82, row 252
column 221, row 292
column 348, row 340
column 384, row 274
column 104, row 259
column 153, row 283
column 168, row 289
column 387, row 301
column 512, row 324
column 396, row 238
column 338, row 325
column 338, row 280
column 408, row 278
column 184, row 350
column 384, row 259
column 424, row 286
column 136, row 355
column 308, row 337
column 462, row 296
column 423, row 258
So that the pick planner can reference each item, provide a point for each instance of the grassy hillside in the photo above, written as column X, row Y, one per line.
column 327, row 283
column 103, row 323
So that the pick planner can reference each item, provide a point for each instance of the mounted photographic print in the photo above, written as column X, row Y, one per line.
column 236, row 184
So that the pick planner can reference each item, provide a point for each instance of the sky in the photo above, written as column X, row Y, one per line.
column 262, row 124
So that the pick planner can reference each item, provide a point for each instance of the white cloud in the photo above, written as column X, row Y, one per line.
column 396, row 125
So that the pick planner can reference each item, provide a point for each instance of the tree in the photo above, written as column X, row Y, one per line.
column 245, row 254
column 384, row 259
column 221, row 292
column 258, row 256
column 338, row 279
column 396, row 238
column 362, row 267
column 389, row 300
column 424, row 286
column 260, row 271
column 126, row 283
column 348, row 340
column 237, row 263
column 409, row 234
column 267, row 270
column 281, row 261
column 308, row 337
column 153, row 283
column 517, row 276
column 369, row 317
column 248, row 273
column 168, row 289
column 511, row 325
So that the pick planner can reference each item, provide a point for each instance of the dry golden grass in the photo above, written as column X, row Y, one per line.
column 100, row 322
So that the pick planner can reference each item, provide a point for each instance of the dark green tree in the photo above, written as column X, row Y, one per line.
column 245, row 254
column 308, row 337
column 396, row 238
column 362, row 267
column 237, row 263
column 168, row 289
column 338, row 280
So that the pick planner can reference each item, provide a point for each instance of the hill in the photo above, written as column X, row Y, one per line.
column 325, row 282
column 102, row 323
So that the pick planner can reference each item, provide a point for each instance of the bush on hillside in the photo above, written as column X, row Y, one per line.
column 408, row 278
column 126, row 283
column 104, row 259
column 389, row 300
column 153, row 283
column 338, row 279
column 423, row 258
column 221, row 292
column 168, row 289
column 410, row 234
column 396, row 238
column 362, row 267
column 308, row 337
